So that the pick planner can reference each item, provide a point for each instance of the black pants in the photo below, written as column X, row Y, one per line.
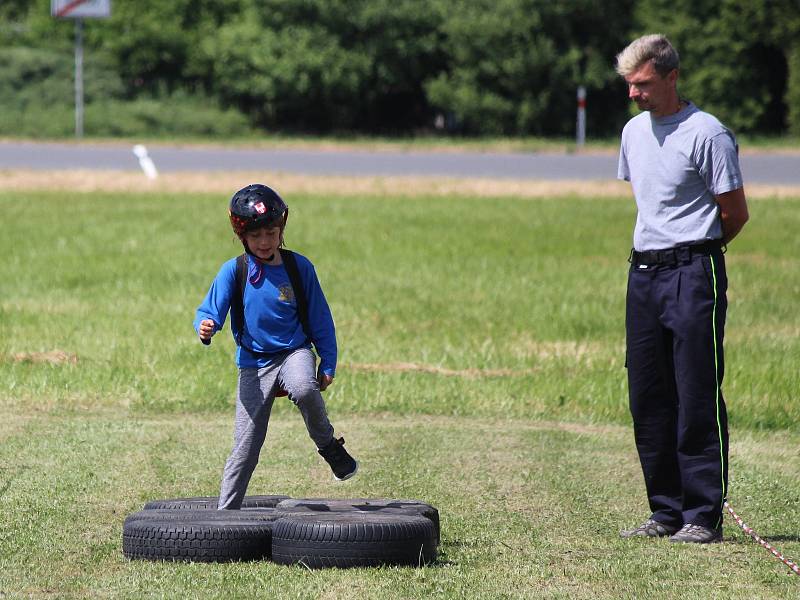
column 675, row 319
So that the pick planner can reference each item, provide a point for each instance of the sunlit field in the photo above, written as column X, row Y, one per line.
column 481, row 369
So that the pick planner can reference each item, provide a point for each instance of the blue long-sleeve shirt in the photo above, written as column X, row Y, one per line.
column 270, row 312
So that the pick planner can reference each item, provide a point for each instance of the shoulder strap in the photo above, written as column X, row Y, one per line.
column 290, row 264
column 237, row 300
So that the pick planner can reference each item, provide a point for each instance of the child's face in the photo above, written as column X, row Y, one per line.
column 263, row 242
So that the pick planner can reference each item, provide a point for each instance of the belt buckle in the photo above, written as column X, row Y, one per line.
column 683, row 254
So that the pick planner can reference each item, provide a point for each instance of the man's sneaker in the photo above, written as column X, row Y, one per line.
column 342, row 464
column 697, row 534
column 649, row 528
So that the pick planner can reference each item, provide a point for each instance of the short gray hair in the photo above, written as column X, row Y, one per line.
column 655, row 47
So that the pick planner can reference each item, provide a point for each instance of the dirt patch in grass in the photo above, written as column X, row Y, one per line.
column 419, row 368
column 525, row 347
column 226, row 182
column 287, row 183
column 543, row 351
column 53, row 357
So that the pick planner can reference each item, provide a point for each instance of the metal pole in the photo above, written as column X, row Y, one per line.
column 580, row 136
column 78, row 78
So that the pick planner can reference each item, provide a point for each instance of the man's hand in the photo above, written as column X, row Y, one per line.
column 324, row 381
column 206, row 329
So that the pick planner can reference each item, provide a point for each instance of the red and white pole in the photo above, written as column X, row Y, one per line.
column 580, row 137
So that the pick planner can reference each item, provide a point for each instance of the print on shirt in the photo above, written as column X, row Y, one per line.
column 286, row 293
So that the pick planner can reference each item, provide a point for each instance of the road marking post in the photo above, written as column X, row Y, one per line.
column 580, row 134
column 147, row 164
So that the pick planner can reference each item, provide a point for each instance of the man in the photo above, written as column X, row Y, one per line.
column 684, row 170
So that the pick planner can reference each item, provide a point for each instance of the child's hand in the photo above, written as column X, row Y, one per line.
column 206, row 329
column 324, row 381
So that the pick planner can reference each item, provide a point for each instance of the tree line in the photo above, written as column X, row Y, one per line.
column 472, row 67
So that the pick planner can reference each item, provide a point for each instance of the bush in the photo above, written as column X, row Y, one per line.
column 112, row 118
column 175, row 116
column 38, row 97
column 46, row 77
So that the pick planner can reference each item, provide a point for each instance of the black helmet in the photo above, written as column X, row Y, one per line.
column 257, row 206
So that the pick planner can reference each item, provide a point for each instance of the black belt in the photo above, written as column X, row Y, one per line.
column 673, row 256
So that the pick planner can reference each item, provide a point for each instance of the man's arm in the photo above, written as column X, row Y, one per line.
column 733, row 212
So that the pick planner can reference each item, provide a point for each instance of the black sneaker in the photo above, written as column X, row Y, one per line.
column 342, row 464
column 651, row 529
column 697, row 534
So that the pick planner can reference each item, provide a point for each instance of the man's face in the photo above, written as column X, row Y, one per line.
column 651, row 91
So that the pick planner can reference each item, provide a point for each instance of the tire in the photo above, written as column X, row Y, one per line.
column 318, row 506
column 212, row 502
column 353, row 539
column 197, row 540
column 267, row 515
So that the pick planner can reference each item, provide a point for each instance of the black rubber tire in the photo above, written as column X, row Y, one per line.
column 362, row 505
column 212, row 501
column 197, row 540
column 353, row 539
column 207, row 514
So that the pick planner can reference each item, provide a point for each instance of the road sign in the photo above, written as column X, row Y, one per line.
column 80, row 9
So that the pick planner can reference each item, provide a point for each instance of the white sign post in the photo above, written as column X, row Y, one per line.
column 78, row 10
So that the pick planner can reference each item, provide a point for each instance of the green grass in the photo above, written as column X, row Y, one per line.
column 356, row 142
column 417, row 143
column 342, row 141
column 531, row 287
column 529, row 509
column 521, row 439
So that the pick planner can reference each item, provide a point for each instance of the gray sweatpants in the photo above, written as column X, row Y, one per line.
column 296, row 373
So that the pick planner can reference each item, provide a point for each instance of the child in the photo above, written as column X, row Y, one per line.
column 273, row 349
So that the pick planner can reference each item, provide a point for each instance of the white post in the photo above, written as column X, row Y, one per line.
column 147, row 164
column 78, row 78
column 580, row 137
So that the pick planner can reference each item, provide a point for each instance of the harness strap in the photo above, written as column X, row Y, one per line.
column 290, row 264
column 237, row 301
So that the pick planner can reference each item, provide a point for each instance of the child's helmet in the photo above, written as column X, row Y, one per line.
column 257, row 206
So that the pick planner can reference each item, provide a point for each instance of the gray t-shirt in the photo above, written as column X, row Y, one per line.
column 676, row 165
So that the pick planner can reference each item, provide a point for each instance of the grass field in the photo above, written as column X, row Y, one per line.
column 481, row 370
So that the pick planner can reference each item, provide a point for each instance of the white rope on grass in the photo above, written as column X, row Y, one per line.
column 749, row 531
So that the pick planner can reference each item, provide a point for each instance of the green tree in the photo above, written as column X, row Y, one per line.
column 155, row 43
column 515, row 65
column 294, row 76
column 786, row 36
column 734, row 55
column 326, row 65
column 404, row 41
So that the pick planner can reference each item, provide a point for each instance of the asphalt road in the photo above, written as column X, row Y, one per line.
column 772, row 168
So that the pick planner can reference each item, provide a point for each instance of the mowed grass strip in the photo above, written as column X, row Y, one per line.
column 506, row 307
column 528, row 509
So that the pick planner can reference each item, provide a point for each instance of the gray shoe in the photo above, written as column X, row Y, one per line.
column 649, row 528
column 697, row 534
